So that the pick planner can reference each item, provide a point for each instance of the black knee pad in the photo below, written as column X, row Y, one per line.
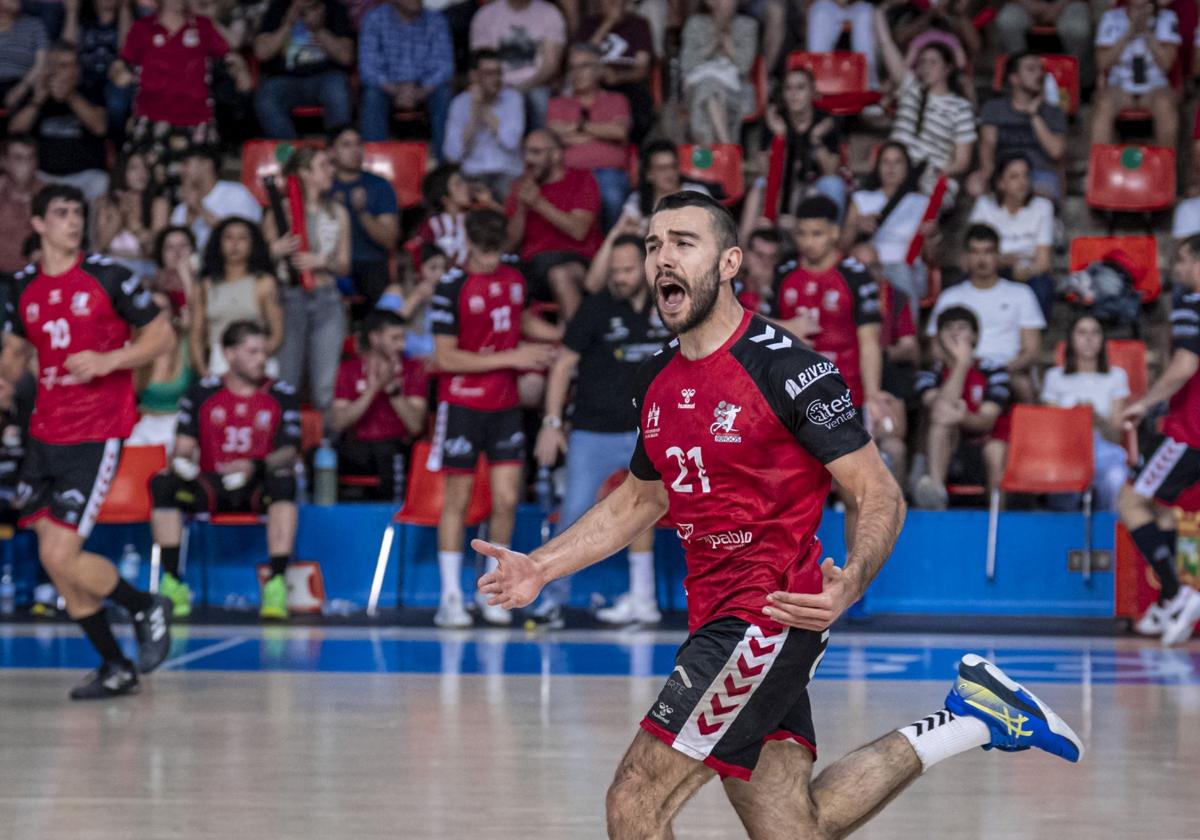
column 163, row 487
column 279, row 486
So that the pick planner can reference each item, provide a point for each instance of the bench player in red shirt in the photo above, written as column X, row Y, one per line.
column 1146, row 505
column 479, row 317
column 92, row 324
column 741, row 429
column 235, row 452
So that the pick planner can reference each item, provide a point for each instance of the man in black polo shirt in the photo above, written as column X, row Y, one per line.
column 613, row 331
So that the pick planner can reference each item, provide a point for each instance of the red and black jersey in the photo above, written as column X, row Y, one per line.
column 740, row 439
column 94, row 305
column 230, row 428
column 1183, row 411
column 380, row 421
column 984, row 383
column 840, row 300
column 483, row 311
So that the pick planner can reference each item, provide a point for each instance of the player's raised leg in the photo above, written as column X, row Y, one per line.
column 653, row 781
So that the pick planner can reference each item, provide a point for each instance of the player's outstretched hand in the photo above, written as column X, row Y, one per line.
column 816, row 611
column 515, row 583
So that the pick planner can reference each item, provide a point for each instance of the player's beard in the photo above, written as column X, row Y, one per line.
column 702, row 295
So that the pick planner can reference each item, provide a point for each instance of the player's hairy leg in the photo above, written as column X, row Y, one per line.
column 780, row 803
column 653, row 781
column 506, row 489
column 84, row 579
column 456, row 497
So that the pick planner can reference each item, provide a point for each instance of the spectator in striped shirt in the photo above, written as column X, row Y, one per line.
column 405, row 61
column 934, row 120
column 22, row 53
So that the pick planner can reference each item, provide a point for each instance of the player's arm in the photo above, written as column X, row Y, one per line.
column 448, row 357
column 411, row 410
column 1183, row 365
column 551, row 439
column 15, row 357
column 605, row 529
column 537, row 328
column 870, row 360
column 149, row 342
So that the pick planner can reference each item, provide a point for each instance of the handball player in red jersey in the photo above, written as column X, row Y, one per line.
column 742, row 429
column 92, row 324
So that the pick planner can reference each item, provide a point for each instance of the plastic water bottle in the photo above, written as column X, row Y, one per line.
column 130, row 564
column 325, row 464
column 8, row 591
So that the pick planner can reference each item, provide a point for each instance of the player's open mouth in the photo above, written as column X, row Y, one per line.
column 671, row 296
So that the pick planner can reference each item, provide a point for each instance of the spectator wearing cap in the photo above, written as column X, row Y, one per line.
column 22, row 53
column 1022, row 122
column 626, row 53
column 373, row 209
column 205, row 200
column 69, row 129
column 593, row 126
column 305, row 49
column 554, row 221
column 405, row 61
column 529, row 36
column 19, row 183
column 485, row 126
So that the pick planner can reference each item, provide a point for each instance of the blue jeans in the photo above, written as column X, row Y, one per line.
column 118, row 105
column 614, row 189
column 278, row 95
column 1111, row 474
column 377, row 109
column 591, row 458
column 314, row 326
column 833, row 187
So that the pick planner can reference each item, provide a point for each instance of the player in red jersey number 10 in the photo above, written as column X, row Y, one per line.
column 741, row 429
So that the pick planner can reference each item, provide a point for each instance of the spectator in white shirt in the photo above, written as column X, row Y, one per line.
column 1087, row 379
column 1025, row 223
column 204, row 201
column 1010, row 320
column 1136, row 47
column 485, row 126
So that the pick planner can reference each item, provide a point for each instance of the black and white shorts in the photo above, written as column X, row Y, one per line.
column 1173, row 468
column 461, row 434
column 735, row 688
column 67, row 482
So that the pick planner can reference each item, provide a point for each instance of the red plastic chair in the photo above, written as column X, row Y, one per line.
column 1142, row 249
column 841, row 79
column 1129, row 354
column 726, row 168
column 1064, row 69
column 128, row 499
column 258, row 162
column 402, row 164
column 423, row 507
column 1143, row 188
column 1049, row 451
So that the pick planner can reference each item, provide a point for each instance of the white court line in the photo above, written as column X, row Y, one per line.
column 203, row 652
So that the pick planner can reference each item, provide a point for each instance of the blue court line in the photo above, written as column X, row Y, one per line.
column 501, row 654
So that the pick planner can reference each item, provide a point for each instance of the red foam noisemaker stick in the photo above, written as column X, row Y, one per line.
column 295, row 196
column 931, row 213
column 774, row 178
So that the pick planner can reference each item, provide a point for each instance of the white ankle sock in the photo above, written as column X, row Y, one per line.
column 450, row 568
column 641, row 575
column 943, row 734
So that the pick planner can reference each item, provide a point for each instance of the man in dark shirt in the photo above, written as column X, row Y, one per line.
column 1022, row 123
column 68, row 128
column 374, row 213
column 306, row 48
column 613, row 332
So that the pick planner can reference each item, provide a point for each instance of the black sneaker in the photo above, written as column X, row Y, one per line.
column 112, row 679
column 545, row 618
column 153, row 630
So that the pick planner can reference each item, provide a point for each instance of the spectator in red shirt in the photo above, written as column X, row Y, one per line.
column 553, row 221
column 593, row 126
column 18, row 185
column 379, row 405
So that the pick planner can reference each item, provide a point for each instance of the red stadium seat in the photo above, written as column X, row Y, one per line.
column 1049, row 451
column 1064, row 69
column 1131, row 179
column 725, row 168
column 258, row 162
column 128, row 499
column 1142, row 249
column 402, row 164
column 841, row 79
column 1129, row 354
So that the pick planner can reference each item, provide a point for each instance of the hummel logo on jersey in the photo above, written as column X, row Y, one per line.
column 799, row 383
column 769, row 333
column 722, row 428
column 688, row 394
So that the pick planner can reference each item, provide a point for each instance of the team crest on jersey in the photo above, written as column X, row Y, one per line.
column 81, row 304
column 688, row 395
column 684, row 530
column 790, row 296
column 722, row 428
column 831, row 300
column 218, row 415
column 262, row 420
column 476, row 304
column 32, row 311
column 652, row 428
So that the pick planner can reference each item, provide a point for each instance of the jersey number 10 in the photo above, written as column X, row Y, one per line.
column 59, row 331
column 682, row 458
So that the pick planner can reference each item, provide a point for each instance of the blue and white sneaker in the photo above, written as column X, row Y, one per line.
column 1016, row 718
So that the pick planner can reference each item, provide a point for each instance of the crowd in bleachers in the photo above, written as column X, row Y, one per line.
column 885, row 143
